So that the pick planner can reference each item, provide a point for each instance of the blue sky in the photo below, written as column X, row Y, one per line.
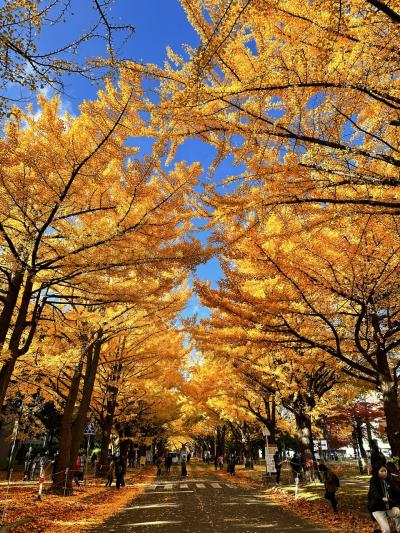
column 158, row 24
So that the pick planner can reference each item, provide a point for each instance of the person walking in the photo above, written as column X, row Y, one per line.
column 221, row 462
column 77, row 470
column 377, row 457
column 231, row 464
column 383, row 499
column 168, row 462
column 158, row 465
column 119, row 473
column 394, row 476
column 183, row 467
column 110, row 472
column 28, row 464
column 216, row 462
column 295, row 463
column 278, row 463
column 332, row 483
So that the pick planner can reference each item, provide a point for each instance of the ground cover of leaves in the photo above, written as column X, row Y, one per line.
column 311, row 505
column 86, row 508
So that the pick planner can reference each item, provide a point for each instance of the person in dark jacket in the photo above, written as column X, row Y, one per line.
column 331, row 482
column 183, row 467
column 119, row 472
column 278, row 464
column 382, row 499
column 168, row 462
column 394, row 479
column 295, row 463
column 377, row 457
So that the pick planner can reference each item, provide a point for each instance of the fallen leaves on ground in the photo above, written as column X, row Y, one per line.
column 316, row 511
column 86, row 508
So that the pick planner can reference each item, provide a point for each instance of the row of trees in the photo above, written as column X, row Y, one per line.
column 95, row 243
column 305, row 98
column 95, row 255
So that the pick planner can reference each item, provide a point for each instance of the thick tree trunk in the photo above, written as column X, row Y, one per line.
column 72, row 427
column 392, row 413
column 92, row 364
column 9, row 305
column 105, row 441
column 5, row 376
column 62, row 481
column 19, row 328
column 304, row 433
column 111, row 395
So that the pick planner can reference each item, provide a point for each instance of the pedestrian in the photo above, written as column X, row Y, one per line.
column 295, row 463
column 231, row 464
column 332, row 483
column 221, row 462
column 394, row 476
column 216, row 462
column 110, row 472
column 82, row 464
column 377, row 457
column 383, row 499
column 278, row 463
column 168, row 462
column 119, row 472
column 183, row 467
column 28, row 464
column 77, row 471
column 93, row 459
column 158, row 465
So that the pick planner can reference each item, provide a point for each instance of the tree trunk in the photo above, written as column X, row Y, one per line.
column 105, row 441
column 369, row 433
column 9, row 305
column 111, row 394
column 92, row 363
column 62, row 482
column 359, row 435
column 304, row 433
column 5, row 376
column 72, row 427
column 392, row 413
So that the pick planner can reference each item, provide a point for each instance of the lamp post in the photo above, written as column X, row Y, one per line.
column 266, row 433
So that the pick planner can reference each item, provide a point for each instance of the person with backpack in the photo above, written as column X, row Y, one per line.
column 119, row 472
column 332, row 483
column 383, row 499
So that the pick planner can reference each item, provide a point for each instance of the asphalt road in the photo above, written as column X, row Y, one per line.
column 203, row 504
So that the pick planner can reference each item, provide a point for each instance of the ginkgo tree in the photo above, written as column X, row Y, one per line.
column 330, row 290
column 304, row 96
column 76, row 201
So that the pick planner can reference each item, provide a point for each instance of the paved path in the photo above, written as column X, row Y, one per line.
column 204, row 504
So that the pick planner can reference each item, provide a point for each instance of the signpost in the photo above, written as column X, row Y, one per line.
column 89, row 430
